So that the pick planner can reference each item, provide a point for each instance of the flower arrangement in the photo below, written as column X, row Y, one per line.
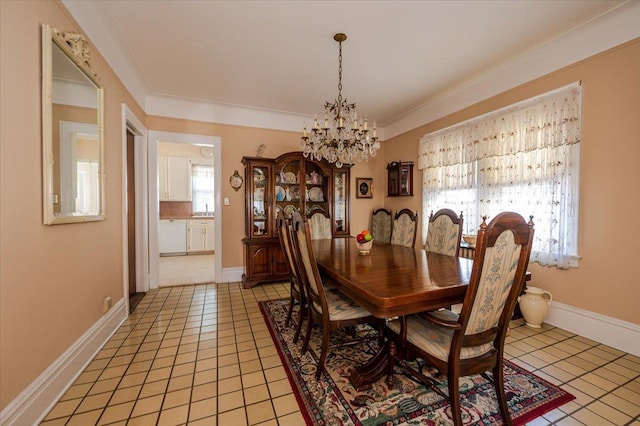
column 364, row 241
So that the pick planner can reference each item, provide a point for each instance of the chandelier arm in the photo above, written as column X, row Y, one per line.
column 341, row 140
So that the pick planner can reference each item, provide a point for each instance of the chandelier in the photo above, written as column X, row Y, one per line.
column 342, row 138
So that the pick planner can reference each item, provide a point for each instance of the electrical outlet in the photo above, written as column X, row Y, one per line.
column 226, row 201
column 106, row 304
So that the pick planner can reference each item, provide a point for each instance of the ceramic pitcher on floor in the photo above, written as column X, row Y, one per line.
column 534, row 305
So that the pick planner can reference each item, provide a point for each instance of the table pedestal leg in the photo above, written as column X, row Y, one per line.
column 378, row 366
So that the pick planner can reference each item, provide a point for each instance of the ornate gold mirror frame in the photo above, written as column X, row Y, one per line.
column 73, row 160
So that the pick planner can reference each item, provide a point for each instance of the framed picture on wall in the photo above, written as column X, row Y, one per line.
column 364, row 187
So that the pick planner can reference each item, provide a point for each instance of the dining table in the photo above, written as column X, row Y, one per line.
column 390, row 281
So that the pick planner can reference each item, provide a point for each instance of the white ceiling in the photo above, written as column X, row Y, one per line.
column 281, row 56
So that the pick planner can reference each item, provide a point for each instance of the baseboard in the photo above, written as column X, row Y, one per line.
column 230, row 275
column 618, row 334
column 33, row 403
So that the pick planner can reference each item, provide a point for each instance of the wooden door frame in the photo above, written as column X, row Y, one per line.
column 131, row 123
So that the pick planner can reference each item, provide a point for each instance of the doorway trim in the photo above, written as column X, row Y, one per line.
column 134, row 125
column 154, row 138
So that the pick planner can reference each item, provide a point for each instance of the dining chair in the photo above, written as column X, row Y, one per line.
column 473, row 341
column 444, row 232
column 381, row 225
column 404, row 228
column 320, row 226
column 327, row 307
column 296, row 288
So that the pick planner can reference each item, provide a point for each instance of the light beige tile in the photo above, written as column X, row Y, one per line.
column 174, row 416
column 83, row 419
column 147, row 405
column 260, row 412
column 588, row 417
column 63, row 409
column 293, row 419
column 280, row 387
column 230, row 401
column 115, row 413
column 609, row 413
column 94, row 402
column 256, row 394
column 236, row 417
column 285, row 405
column 204, row 409
column 176, row 398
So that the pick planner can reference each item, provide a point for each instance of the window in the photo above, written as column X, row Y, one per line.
column 202, row 189
column 523, row 158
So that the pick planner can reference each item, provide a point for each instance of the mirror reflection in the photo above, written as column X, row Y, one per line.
column 72, row 135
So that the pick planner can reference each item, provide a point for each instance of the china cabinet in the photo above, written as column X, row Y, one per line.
column 287, row 183
column 400, row 178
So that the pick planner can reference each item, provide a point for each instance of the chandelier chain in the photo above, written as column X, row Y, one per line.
column 340, row 73
column 343, row 137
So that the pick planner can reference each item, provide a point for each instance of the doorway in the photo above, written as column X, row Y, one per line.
column 188, row 242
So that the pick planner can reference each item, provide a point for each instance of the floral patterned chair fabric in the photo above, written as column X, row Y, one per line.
column 320, row 227
column 381, row 225
column 404, row 228
column 473, row 341
column 325, row 306
column 444, row 232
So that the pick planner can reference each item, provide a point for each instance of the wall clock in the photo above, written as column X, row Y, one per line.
column 236, row 180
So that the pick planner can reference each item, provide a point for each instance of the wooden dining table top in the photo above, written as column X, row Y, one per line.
column 393, row 280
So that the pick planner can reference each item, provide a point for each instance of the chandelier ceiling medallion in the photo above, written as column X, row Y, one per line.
column 342, row 139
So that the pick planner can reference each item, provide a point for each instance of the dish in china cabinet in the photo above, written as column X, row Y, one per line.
column 288, row 210
column 293, row 193
column 289, row 177
column 280, row 193
column 315, row 194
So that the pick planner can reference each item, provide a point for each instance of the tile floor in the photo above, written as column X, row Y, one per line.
column 191, row 269
column 202, row 355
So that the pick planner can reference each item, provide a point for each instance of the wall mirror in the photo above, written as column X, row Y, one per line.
column 72, row 131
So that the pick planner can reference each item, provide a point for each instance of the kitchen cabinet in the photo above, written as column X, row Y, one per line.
column 200, row 235
column 174, row 178
column 288, row 183
column 172, row 236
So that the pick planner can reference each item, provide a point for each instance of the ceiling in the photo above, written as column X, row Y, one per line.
column 281, row 56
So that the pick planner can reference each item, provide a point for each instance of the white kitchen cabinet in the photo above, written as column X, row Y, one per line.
column 174, row 175
column 201, row 235
column 172, row 236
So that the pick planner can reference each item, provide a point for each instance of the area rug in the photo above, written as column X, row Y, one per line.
column 332, row 400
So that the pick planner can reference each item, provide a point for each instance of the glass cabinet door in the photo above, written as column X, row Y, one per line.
column 287, row 191
column 260, row 218
column 340, row 198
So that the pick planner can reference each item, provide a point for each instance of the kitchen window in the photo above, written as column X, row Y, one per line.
column 202, row 189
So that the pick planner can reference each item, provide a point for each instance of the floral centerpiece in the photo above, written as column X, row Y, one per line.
column 364, row 241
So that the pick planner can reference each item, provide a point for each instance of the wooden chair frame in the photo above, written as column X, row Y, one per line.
column 317, row 297
column 297, row 294
column 455, row 367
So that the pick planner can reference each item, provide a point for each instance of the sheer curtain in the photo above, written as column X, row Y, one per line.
column 523, row 158
column 202, row 188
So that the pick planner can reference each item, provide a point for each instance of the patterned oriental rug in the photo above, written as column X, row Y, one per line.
column 333, row 401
